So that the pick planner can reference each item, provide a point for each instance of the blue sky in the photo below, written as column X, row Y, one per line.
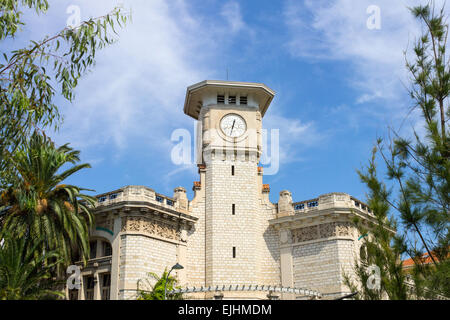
column 338, row 86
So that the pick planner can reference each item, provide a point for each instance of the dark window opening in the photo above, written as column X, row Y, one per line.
column 243, row 100
column 107, row 249
column 89, row 294
column 233, row 209
column 220, row 99
column 313, row 204
column 73, row 294
column 92, row 249
column 106, row 285
column 232, row 170
column 234, row 252
column 232, row 100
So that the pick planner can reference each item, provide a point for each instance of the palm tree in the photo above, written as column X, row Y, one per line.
column 36, row 205
column 24, row 274
column 157, row 290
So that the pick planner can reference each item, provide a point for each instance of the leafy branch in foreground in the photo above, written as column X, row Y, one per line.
column 27, row 75
column 381, row 249
column 10, row 19
column 418, row 167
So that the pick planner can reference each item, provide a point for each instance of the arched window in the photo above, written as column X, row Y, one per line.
column 99, row 247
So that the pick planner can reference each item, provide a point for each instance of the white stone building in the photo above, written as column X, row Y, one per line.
column 230, row 233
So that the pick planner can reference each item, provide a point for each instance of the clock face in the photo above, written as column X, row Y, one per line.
column 233, row 125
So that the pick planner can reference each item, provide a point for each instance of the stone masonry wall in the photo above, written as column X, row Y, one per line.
column 224, row 230
column 269, row 259
column 196, row 246
column 139, row 255
column 319, row 265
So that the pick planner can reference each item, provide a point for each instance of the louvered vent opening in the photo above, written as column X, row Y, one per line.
column 232, row 100
column 243, row 100
column 220, row 98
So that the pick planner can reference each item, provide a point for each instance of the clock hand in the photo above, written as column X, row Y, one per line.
column 232, row 127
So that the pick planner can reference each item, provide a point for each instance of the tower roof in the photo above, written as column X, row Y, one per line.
column 194, row 94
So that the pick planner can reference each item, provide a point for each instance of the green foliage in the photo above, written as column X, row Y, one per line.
column 25, row 274
column 10, row 19
column 37, row 205
column 157, row 290
column 27, row 74
column 419, row 170
column 377, row 249
column 44, row 223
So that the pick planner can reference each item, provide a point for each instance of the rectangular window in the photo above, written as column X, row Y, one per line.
column 233, row 209
column 243, row 100
column 232, row 170
column 73, row 294
column 234, row 252
column 106, row 285
column 313, row 204
column 220, row 99
column 232, row 100
column 89, row 287
column 92, row 249
column 107, row 249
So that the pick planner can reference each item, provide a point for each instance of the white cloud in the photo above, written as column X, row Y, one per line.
column 135, row 94
column 294, row 136
column 338, row 30
column 136, row 91
column 231, row 11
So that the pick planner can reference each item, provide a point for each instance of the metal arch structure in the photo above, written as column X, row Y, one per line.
column 304, row 292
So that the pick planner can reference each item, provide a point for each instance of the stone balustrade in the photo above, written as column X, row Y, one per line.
column 330, row 200
column 135, row 193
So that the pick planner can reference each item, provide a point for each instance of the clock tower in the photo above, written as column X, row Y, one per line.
column 229, row 147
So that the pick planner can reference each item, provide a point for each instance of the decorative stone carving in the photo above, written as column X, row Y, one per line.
column 152, row 226
column 327, row 230
column 133, row 224
column 344, row 229
column 305, row 234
